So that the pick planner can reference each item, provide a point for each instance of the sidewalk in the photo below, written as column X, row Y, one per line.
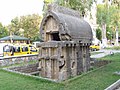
column 105, row 52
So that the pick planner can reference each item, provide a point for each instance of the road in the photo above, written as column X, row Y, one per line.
column 105, row 52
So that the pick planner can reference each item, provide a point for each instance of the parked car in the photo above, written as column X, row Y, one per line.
column 119, row 39
column 35, row 44
column 19, row 49
column 2, row 45
column 1, row 49
column 95, row 47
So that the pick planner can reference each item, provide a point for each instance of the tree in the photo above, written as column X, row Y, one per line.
column 103, row 19
column 108, row 18
column 116, row 18
column 3, row 31
column 80, row 5
column 46, row 2
column 14, row 26
column 26, row 25
column 83, row 6
column 98, row 33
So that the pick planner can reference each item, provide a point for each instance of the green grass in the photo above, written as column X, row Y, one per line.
column 98, row 79
column 11, row 81
column 113, row 58
column 113, row 48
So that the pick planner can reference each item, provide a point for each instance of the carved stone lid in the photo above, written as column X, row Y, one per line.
column 70, row 25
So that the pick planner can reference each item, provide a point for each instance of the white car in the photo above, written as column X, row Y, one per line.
column 1, row 48
column 35, row 44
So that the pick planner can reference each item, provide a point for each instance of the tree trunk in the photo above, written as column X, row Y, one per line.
column 116, row 40
column 104, row 39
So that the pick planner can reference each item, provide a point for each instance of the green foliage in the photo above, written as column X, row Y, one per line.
column 109, row 33
column 109, row 15
column 98, row 34
column 115, row 18
column 14, row 26
column 102, row 14
column 48, row 1
column 80, row 5
column 3, row 31
column 27, row 26
column 30, row 24
column 116, row 3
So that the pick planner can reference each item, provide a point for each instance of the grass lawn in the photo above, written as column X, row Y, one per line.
column 114, row 48
column 114, row 58
column 97, row 79
column 11, row 81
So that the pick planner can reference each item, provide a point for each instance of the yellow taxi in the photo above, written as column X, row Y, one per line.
column 95, row 47
column 19, row 49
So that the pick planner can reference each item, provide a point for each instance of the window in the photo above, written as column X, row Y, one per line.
column 6, row 48
column 55, row 36
column 33, row 49
column 17, row 49
column 24, row 49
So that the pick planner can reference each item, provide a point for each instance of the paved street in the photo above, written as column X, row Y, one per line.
column 1, row 58
column 105, row 52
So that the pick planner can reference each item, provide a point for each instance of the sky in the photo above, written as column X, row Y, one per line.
column 9, row 9
column 99, row 1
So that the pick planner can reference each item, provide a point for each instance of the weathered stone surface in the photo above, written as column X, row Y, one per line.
column 69, row 27
column 65, row 50
column 6, row 61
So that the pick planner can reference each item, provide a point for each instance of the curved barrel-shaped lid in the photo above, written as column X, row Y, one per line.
column 71, row 26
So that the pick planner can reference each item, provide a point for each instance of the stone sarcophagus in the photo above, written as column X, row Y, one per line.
column 65, row 50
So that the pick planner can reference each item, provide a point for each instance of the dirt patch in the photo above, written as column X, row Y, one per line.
column 29, row 69
column 99, row 63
